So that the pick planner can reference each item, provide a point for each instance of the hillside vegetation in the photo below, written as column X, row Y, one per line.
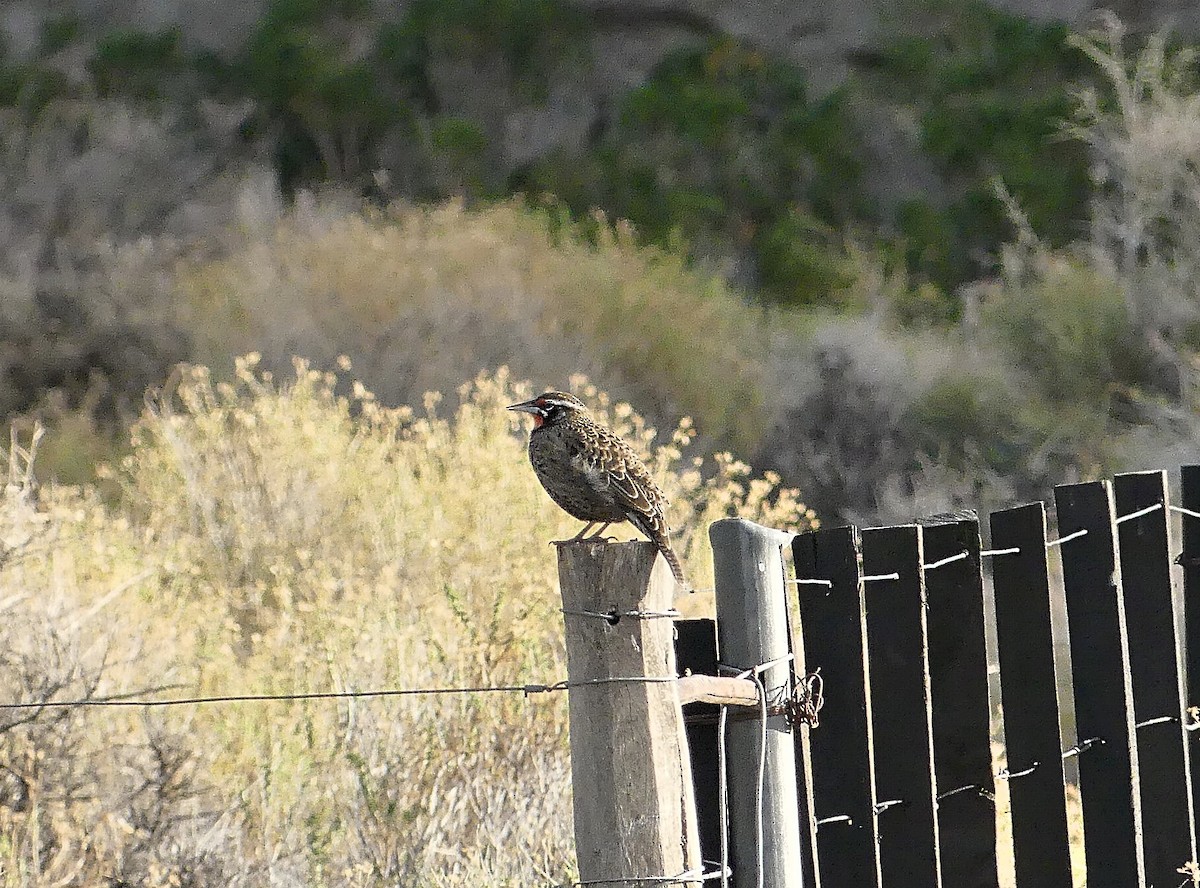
column 1034, row 323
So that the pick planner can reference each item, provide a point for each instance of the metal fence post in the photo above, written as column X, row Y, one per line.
column 752, row 626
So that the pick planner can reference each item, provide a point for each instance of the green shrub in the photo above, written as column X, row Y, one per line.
column 533, row 36
column 320, row 106
column 137, row 64
column 1067, row 326
column 723, row 149
column 30, row 87
column 460, row 144
column 61, row 32
column 992, row 91
column 801, row 260
column 328, row 110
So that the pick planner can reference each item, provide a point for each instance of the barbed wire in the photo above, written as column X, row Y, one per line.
column 123, row 700
column 705, row 873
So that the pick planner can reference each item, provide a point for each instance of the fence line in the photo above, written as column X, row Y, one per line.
column 898, row 784
column 896, row 659
column 525, row 689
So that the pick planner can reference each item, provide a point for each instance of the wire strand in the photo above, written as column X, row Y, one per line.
column 943, row 562
column 1071, row 536
column 1139, row 513
column 526, row 689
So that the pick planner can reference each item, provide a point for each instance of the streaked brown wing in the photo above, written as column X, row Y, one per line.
column 627, row 476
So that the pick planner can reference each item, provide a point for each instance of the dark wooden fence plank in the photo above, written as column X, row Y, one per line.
column 901, row 728
column 1155, row 658
column 696, row 652
column 958, row 672
column 1107, row 747
column 832, row 634
column 1021, row 586
column 1189, row 559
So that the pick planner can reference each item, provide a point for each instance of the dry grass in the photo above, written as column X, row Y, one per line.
column 421, row 298
column 278, row 536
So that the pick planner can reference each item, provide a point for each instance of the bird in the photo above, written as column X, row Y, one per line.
column 592, row 474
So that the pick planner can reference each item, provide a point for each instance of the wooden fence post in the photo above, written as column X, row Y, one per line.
column 1189, row 560
column 635, row 814
column 1155, row 659
column 958, row 670
column 1100, row 676
column 1033, row 743
column 901, row 718
column 752, row 626
column 833, row 629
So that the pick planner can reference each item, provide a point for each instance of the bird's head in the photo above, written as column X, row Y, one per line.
column 550, row 407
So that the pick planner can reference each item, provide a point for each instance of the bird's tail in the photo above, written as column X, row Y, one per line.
column 668, row 553
column 656, row 530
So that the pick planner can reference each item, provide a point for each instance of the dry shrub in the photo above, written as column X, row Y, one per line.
column 1143, row 135
column 878, row 425
column 1069, row 364
column 88, row 795
column 421, row 298
column 280, row 536
column 84, row 291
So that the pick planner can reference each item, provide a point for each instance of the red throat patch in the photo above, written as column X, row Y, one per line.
column 538, row 420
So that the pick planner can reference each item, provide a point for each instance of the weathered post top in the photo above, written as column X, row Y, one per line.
column 635, row 816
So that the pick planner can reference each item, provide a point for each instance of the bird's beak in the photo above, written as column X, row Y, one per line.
column 524, row 407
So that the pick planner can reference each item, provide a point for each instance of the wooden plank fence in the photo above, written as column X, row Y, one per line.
column 952, row 684
column 1029, row 698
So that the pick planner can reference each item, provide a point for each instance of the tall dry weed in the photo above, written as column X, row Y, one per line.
column 1143, row 135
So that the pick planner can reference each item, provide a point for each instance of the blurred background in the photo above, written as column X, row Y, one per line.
column 897, row 256
column 909, row 254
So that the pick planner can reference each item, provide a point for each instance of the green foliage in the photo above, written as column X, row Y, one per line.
column 991, row 91
column 461, row 144
column 1067, row 326
column 533, row 36
column 969, row 420
column 458, row 135
column 722, row 147
column 326, row 109
column 800, row 259
column 59, row 33
column 29, row 87
column 319, row 104
column 136, row 63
